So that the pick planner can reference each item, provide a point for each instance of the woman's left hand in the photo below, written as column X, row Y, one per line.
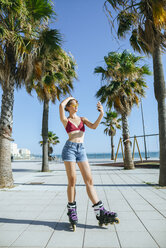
column 100, row 108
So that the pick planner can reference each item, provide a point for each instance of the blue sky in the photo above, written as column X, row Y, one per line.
column 86, row 34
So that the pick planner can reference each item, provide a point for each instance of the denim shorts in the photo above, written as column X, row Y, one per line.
column 74, row 152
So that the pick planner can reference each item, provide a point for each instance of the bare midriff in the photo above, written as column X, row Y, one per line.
column 76, row 136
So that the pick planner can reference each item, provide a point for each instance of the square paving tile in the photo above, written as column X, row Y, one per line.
column 101, row 239
column 156, row 225
column 67, row 238
column 7, row 237
column 30, row 238
column 136, row 240
column 160, row 238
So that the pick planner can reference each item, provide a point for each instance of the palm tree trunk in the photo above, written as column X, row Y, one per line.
column 6, row 124
column 128, row 162
column 45, row 166
column 112, row 148
column 160, row 94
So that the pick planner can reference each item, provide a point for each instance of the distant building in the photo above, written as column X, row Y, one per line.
column 19, row 152
column 14, row 150
column 25, row 153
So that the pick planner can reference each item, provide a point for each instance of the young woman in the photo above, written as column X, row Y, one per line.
column 74, row 152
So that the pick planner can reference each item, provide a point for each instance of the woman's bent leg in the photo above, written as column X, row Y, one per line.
column 87, row 176
column 102, row 215
column 71, row 175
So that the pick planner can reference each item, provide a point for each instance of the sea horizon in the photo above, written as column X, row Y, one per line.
column 102, row 155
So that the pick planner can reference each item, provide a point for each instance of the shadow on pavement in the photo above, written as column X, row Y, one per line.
column 83, row 185
column 58, row 226
column 24, row 170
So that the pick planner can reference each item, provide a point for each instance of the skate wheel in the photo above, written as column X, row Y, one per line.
column 117, row 221
column 111, row 223
column 100, row 224
column 74, row 228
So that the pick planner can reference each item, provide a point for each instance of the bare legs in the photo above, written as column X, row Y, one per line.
column 102, row 215
column 71, row 175
column 87, row 176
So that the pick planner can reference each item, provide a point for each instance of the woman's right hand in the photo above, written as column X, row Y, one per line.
column 69, row 98
column 64, row 102
column 100, row 108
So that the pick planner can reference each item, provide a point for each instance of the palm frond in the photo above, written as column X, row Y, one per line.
column 145, row 20
column 49, row 40
column 125, row 21
column 39, row 9
column 125, row 81
column 111, row 123
column 145, row 70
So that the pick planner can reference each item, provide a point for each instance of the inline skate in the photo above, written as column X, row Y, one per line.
column 103, row 216
column 72, row 213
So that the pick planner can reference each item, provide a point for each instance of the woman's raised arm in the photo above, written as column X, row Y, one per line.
column 97, row 122
column 62, row 105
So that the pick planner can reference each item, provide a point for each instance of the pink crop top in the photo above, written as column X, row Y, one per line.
column 70, row 127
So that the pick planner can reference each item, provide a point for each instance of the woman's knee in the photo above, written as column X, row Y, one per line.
column 72, row 181
column 89, row 181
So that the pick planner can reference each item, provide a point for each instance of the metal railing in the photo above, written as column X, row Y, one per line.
column 146, row 150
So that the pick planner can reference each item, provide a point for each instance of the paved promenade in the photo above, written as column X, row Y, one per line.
column 33, row 213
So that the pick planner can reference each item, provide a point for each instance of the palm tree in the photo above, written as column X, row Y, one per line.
column 42, row 77
column 124, row 84
column 52, row 76
column 52, row 140
column 146, row 20
column 20, row 23
column 111, row 122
